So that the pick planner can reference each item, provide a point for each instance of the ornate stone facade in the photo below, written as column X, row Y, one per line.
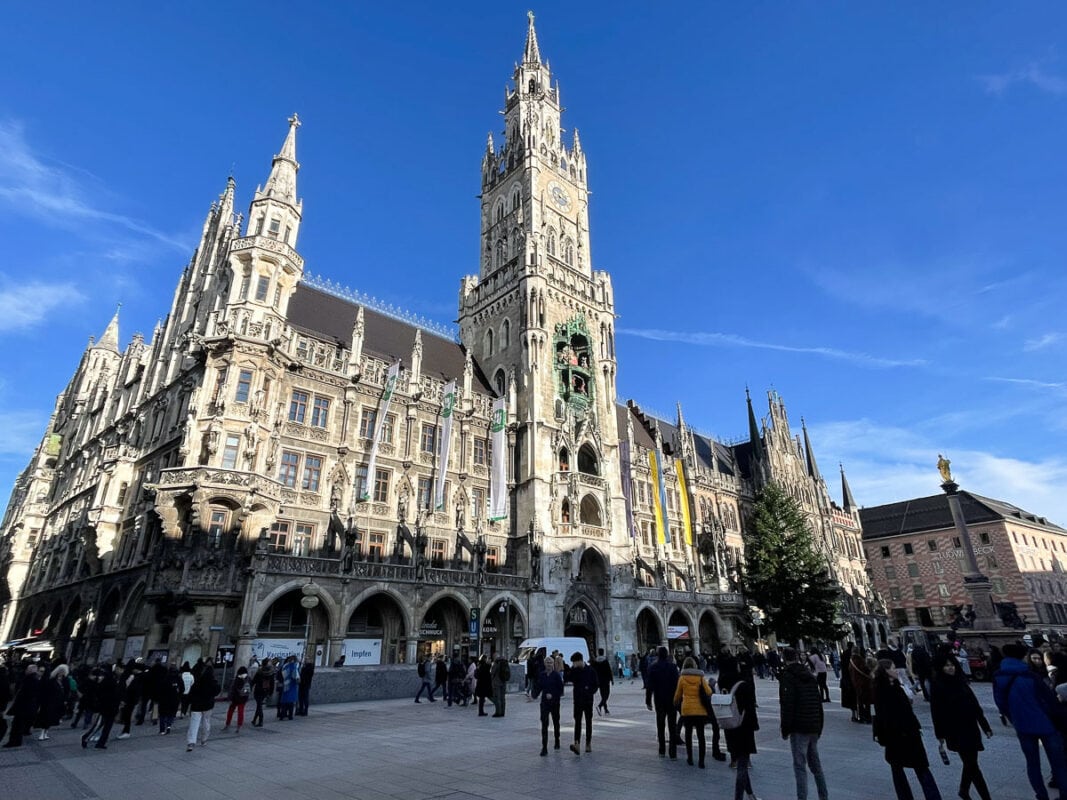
column 190, row 492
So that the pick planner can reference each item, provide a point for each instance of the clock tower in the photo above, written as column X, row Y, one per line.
column 540, row 322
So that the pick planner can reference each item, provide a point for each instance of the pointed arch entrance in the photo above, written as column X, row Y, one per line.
column 286, row 627
column 376, row 624
column 679, row 633
column 444, row 629
column 649, row 633
column 581, row 623
column 709, row 633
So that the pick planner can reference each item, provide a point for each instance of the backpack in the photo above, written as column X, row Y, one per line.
column 724, row 706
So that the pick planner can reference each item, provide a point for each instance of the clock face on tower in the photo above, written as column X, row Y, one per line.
column 559, row 196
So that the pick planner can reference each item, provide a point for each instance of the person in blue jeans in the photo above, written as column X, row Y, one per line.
column 424, row 668
column 1032, row 708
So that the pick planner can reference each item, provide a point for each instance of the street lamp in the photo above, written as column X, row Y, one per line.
column 309, row 601
column 505, row 609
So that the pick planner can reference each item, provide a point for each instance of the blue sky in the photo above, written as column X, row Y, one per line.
column 860, row 206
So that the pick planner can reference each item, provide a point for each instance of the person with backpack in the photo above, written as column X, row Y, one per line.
column 660, row 686
column 583, row 679
column 693, row 697
column 240, row 690
column 802, row 720
column 741, row 740
column 1026, row 701
column 422, row 668
column 500, row 675
column 262, row 688
column 549, row 687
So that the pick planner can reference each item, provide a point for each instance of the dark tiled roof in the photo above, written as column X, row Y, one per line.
column 330, row 317
column 672, row 440
column 933, row 513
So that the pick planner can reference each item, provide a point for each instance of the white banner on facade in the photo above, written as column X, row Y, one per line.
column 363, row 652
column 107, row 650
column 379, row 425
column 134, row 647
column 277, row 648
column 677, row 631
column 448, row 405
column 498, row 487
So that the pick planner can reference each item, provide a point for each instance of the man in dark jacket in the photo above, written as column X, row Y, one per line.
column 659, row 686
column 802, row 718
column 25, row 706
column 303, row 694
column 106, row 696
column 605, row 677
column 1030, row 705
column 583, row 678
column 440, row 677
column 549, row 686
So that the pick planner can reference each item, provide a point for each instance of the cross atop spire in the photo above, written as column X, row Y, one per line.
column 532, row 53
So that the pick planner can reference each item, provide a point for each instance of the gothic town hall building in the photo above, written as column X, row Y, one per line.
column 200, row 490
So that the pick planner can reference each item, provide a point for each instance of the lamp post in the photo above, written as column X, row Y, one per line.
column 505, row 609
column 309, row 601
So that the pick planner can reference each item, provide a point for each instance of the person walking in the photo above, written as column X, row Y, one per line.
column 262, row 688
column 168, row 697
column 818, row 666
column 605, row 678
column 422, row 669
column 549, row 687
column 741, row 741
column 959, row 722
column 583, row 679
column 897, row 730
column 240, row 690
column 24, row 706
column 921, row 668
column 303, row 694
column 660, row 686
column 693, row 696
column 457, row 673
column 106, row 697
column 201, row 703
column 848, row 692
column 799, row 697
column 131, row 685
column 187, row 685
column 290, row 687
column 1026, row 701
column 54, row 692
column 499, row 675
column 483, row 684
column 862, row 686
column 440, row 675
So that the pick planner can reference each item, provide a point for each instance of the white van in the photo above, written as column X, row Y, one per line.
column 567, row 645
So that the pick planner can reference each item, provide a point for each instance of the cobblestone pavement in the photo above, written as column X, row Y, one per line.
column 396, row 749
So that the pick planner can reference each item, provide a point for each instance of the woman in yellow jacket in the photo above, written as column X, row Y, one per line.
column 688, row 698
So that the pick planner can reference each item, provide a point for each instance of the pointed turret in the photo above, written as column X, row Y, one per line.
column 849, row 502
column 358, row 335
column 275, row 209
column 809, row 453
column 753, row 430
column 110, row 338
column 281, row 185
column 577, row 142
column 532, row 53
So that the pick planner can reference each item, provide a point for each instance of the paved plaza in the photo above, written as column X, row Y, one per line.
column 390, row 749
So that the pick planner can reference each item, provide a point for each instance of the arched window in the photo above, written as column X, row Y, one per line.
column 564, row 460
column 551, row 241
column 499, row 213
column 505, row 334
column 516, row 243
column 489, row 343
column 500, row 381
column 516, row 199
column 588, row 461
column 501, row 254
column 589, row 512
column 565, row 512
column 568, row 252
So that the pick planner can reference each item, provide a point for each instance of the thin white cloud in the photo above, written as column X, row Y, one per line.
column 55, row 193
column 27, row 305
column 1041, row 342
column 1027, row 382
column 22, row 432
column 705, row 339
column 886, row 464
column 1032, row 75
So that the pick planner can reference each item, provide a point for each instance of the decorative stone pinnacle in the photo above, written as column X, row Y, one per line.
column 294, row 121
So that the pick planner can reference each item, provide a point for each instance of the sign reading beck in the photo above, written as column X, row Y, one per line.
column 363, row 652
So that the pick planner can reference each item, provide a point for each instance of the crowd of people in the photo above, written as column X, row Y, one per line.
column 40, row 696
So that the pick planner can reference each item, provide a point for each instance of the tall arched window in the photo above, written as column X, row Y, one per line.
column 500, row 381
column 489, row 342
column 516, row 199
column 501, row 254
column 551, row 241
column 499, row 213
column 516, row 243
column 568, row 252
column 505, row 334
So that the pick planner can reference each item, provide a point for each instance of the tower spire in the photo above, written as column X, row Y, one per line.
column 281, row 185
column 809, row 453
column 110, row 338
column 848, row 501
column 753, row 430
column 532, row 53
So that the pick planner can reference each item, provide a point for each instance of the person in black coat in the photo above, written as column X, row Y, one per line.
column 303, row 694
column 605, row 677
column 957, row 717
column 24, row 707
column 168, row 696
column 741, row 741
column 583, row 679
column 262, row 688
column 483, row 683
column 660, row 685
column 106, row 696
column 897, row 729
column 202, row 703
column 549, row 687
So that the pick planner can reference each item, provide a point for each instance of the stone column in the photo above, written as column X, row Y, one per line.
column 977, row 585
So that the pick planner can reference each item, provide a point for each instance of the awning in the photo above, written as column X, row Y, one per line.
column 31, row 645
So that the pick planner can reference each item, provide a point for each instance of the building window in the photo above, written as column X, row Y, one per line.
column 890, row 572
column 375, row 544
column 246, row 283
column 275, row 227
column 298, row 407
column 230, row 451
column 492, row 559
column 381, row 486
column 217, row 526
column 477, row 503
column 312, row 473
column 279, row 537
column 366, row 423
column 913, row 570
column 262, row 286
column 956, row 542
column 480, row 450
column 918, row 592
column 983, row 537
column 894, row 592
column 304, row 540
column 939, row 568
column 428, row 439
column 361, row 482
column 908, row 549
column 244, row 386
column 287, row 471
column 437, row 552
column 932, row 545
column 998, row 585
column 388, row 427
column 422, row 499
column 991, row 561
column 942, row 589
column 885, row 551
column 320, row 412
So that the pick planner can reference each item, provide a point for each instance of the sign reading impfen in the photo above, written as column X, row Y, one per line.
column 277, row 648
column 363, row 652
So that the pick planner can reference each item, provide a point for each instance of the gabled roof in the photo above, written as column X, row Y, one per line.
column 671, row 437
column 933, row 513
column 330, row 317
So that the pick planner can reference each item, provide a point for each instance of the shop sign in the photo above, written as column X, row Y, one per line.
column 677, row 631
column 362, row 652
column 277, row 648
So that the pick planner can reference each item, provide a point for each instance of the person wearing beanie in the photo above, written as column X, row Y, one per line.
column 583, row 679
